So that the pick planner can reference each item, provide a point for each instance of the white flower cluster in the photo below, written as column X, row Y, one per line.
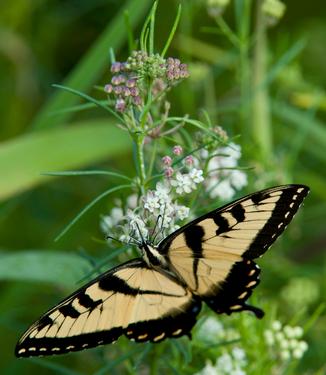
column 157, row 212
column 212, row 330
column 285, row 340
column 185, row 183
column 160, row 203
column 229, row 363
column 223, row 178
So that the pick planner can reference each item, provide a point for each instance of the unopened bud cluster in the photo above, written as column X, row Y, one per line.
column 141, row 72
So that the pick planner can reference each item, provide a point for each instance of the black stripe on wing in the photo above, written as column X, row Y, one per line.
column 175, row 320
column 286, row 207
column 233, row 292
column 228, row 217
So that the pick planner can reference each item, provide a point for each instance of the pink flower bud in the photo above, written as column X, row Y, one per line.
column 115, row 67
column 170, row 75
column 189, row 160
column 137, row 100
column 122, row 78
column 134, row 91
column 118, row 90
column 168, row 172
column 115, row 80
column 120, row 105
column 125, row 91
column 108, row 88
column 177, row 150
column 131, row 83
column 166, row 160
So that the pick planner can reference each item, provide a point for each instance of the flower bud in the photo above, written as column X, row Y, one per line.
column 166, row 160
column 108, row 88
column 177, row 150
column 168, row 172
column 116, row 67
column 120, row 105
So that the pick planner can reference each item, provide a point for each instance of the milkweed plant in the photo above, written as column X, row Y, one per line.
column 184, row 167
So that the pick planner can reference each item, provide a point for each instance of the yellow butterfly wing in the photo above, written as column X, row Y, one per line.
column 213, row 254
column 132, row 299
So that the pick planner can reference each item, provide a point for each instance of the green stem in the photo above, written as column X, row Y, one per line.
column 139, row 141
column 244, row 65
column 261, row 127
column 227, row 31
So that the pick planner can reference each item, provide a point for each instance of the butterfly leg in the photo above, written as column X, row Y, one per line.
column 231, row 295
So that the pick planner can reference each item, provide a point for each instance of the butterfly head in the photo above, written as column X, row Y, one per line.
column 151, row 255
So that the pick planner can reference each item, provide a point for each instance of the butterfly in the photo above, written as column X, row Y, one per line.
column 159, row 296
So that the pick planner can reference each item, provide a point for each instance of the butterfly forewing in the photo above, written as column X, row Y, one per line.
column 131, row 299
column 204, row 252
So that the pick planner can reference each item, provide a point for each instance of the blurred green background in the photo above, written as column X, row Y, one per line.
column 50, row 41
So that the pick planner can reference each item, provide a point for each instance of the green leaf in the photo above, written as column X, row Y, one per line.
column 302, row 121
column 90, row 99
column 90, row 68
column 172, row 32
column 23, row 159
column 43, row 265
column 88, row 207
column 87, row 173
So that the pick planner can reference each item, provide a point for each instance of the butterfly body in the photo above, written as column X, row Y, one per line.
column 210, row 260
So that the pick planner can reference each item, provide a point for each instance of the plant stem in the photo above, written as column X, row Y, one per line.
column 244, row 65
column 139, row 141
column 261, row 127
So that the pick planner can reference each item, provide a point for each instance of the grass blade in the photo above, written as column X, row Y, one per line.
column 24, row 158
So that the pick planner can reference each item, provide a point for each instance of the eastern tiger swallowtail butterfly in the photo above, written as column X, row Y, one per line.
column 159, row 296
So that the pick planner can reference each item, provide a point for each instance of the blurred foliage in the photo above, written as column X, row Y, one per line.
column 282, row 132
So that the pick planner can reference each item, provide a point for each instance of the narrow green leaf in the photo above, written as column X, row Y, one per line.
column 205, row 52
column 88, row 207
column 24, row 158
column 301, row 120
column 88, row 71
column 90, row 99
column 173, row 30
column 78, row 108
column 152, row 28
column 43, row 265
column 144, row 31
column 87, row 173
column 284, row 60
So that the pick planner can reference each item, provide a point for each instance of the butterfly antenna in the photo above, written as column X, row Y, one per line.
column 114, row 239
column 163, row 218
column 155, row 226
column 140, row 234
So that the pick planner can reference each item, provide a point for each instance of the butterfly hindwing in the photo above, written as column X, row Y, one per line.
column 210, row 253
column 233, row 292
column 131, row 299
